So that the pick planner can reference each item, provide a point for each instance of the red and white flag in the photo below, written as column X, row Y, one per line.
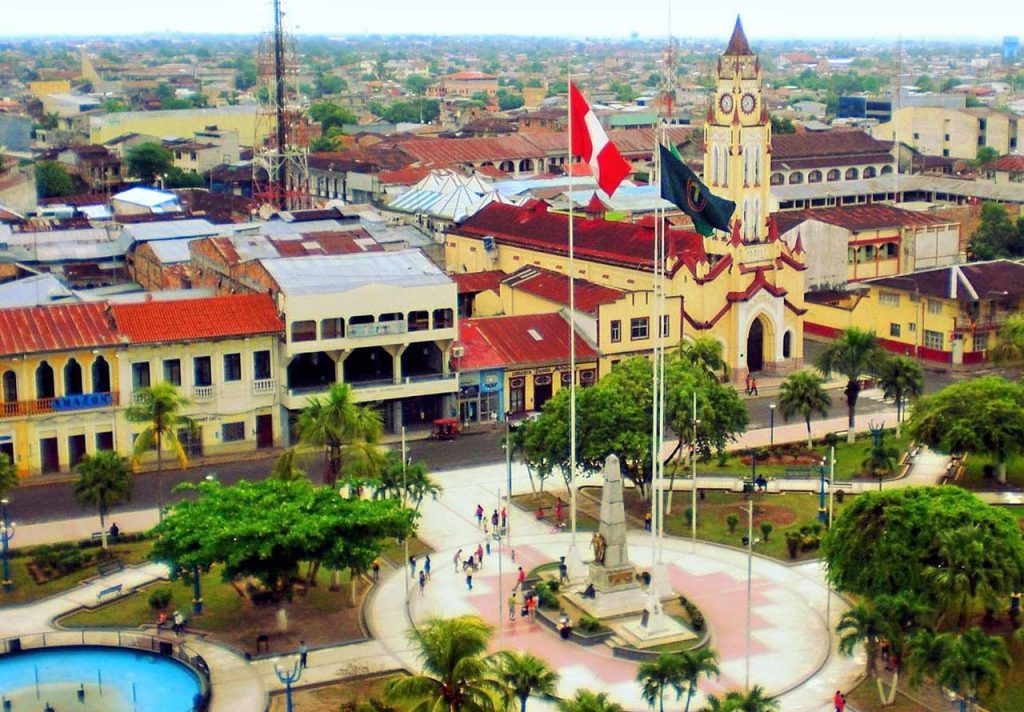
column 590, row 142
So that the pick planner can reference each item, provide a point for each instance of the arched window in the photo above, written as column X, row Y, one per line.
column 508, row 166
column 814, row 177
column 44, row 381
column 796, row 177
column 725, row 166
column 852, row 174
column 10, row 387
column 72, row 378
column 787, row 344
column 100, row 375
column 525, row 165
column 746, row 165
column 886, row 170
column 777, row 179
column 833, row 175
column 714, row 165
column 746, row 218
column 869, row 172
column 755, row 222
column 756, row 160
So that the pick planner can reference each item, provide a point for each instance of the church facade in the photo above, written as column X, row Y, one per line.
column 744, row 288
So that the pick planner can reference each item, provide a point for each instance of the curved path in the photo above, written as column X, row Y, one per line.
column 790, row 640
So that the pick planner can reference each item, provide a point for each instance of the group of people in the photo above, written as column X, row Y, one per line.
column 177, row 621
column 424, row 573
column 751, row 385
column 471, row 564
column 498, row 521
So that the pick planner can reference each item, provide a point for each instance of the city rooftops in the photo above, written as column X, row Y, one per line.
column 324, row 274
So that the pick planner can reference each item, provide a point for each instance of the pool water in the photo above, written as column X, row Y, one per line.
column 114, row 679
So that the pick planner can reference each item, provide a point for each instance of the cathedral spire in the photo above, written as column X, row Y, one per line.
column 738, row 42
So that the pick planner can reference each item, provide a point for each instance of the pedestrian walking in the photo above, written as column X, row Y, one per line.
column 426, row 566
column 494, row 520
column 647, row 521
column 480, row 554
column 469, row 579
column 520, row 578
column 558, row 511
column 753, row 386
column 479, row 515
column 487, row 546
column 531, row 605
column 423, row 581
column 456, row 560
column 179, row 622
column 563, row 570
column 512, row 606
column 412, row 566
column 839, row 701
column 504, row 519
column 376, row 569
column 303, row 655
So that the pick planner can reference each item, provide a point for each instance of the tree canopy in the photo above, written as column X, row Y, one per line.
column 854, row 353
column 997, row 235
column 104, row 481
column 982, row 416
column 149, row 160
column 331, row 115
column 8, row 474
column 265, row 529
column 887, row 542
column 52, row 181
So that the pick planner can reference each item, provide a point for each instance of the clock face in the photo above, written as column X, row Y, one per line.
column 725, row 103
column 747, row 103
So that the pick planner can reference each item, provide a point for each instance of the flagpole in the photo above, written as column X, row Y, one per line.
column 656, row 503
column 574, row 560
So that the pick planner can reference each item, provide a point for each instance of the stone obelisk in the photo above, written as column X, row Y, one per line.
column 611, row 569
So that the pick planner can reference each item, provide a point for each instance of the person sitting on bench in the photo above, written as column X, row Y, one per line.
column 589, row 591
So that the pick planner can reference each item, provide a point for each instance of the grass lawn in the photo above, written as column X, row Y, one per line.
column 343, row 696
column 395, row 554
column 848, row 459
column 786, row 512
column 974, row 474
column 320, row 616
column 26, row 590
column 530, row 502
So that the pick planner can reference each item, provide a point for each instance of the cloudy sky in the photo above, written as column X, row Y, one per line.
column 763, row 19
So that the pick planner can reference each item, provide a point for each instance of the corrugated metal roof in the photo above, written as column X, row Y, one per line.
column 32, row 291
column 342, row 273
column 61, row 327
column 870, row 216
column 196, row 319
column 1003, row 192
column 171, row 230
column 554, row 287
column 976, row 281
column 146, row 197
column 475, row 282
column 171, row 251
column 415, row 201
column 510, row 338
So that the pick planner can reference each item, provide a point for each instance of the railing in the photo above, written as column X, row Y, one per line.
column 263, row 385
column 382, row 328
column 59, row 404
column 167, row 647
column 965, row 323
column 202, row 393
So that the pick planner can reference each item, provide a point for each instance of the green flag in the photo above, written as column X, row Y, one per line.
column 681, row 187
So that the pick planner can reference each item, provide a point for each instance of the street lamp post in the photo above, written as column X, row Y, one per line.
column 287, row 677
column 508, row 474
column 6, row 536
column 823, row 513
column 771, row 424
column 750, row 581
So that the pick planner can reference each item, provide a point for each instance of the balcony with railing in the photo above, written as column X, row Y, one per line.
column 966, row 324
column 263, row 386
column 202, row 393
column 58, row 404
column 381, row 328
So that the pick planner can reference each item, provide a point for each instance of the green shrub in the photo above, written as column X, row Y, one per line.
column 766, row 529
column 545, row 597
column 161, row 598
column 732, row 520
column 588, row 624
column 68, row 562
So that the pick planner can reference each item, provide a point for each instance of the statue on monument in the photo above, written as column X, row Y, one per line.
column 600, row 546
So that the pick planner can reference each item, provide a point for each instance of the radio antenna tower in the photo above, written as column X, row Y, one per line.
column 668, row 78
column 280, row 167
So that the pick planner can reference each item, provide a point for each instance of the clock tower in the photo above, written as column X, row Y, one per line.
column 737, row 138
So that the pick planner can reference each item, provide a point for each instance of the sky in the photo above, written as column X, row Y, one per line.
column 763, row 19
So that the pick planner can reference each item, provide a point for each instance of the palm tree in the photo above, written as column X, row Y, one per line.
column 804, row 393
column 655, row 677
column 587, row 701
column 104, row 481
column 455, row 675
column 754, row 700
column 881, row 460
column 1010, row 341
column 854, row 353
column 902, row 379
column 861, row 624
column 708, row 354
column 966, row 571
column 968, row 664
column 159, row 407
column 695, row 664
column 336, row 424
column 525, row 675
column 415, row 482
column 286, row 469
column 8, row 474
column 901, row 615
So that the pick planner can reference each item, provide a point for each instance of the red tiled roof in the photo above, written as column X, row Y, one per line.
column 404, row 176
column 470, row 75
column 871, row 216
column 815, row 144
column 533, row 227
column 520, row 341
column 63, row 327
column 555, row 288
column 443, row 151
column 976, row 281
column 196, row 319
column 1005, row 163
column 476, row 282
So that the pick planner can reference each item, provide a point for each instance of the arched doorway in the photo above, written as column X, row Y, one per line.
column 755, row 346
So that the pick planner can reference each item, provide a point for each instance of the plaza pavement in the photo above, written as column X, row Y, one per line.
column 790, row 641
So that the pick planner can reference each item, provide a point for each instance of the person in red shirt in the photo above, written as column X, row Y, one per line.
column 840, row 701
column 521, row 578
column 558, row 511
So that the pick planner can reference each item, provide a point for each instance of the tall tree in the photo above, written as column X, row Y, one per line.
column 149, row 160
column 965, row 573
column 455, row 675
column 659, row 675
column 854, row 353
column 754, row 700
column 695, row 664
column 968, row 664
column 862, row 625
column 414, row 483
column 52, row 181
column 881, row 460
column 159, row 408
column 902, row 379
column 104, row 481
column 8, row 474
column 707, row 353
column 1009, row 341
column 587, row 701
column 335, row 423
column 803, row 393
column 524, row 675
column 997, row 235
column 982, row 416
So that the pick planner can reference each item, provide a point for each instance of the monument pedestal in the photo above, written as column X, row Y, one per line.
column 607, row 579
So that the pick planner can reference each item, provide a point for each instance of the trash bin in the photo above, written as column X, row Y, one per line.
column 748, row 487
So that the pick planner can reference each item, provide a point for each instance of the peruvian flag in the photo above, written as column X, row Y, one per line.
column 590, row 142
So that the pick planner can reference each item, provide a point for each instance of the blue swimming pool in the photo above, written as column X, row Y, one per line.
column 113, row 679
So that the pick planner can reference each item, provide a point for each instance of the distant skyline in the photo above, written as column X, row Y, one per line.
column 774, row 20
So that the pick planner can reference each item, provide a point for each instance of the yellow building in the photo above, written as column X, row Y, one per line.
column 744, row 289
column 955, row 133
column 45, row 88
column 69, row 372
column 949, row 316
column 243, row 119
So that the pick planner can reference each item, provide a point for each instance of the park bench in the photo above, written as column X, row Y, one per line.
column 110, row 566
column 110, row 591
